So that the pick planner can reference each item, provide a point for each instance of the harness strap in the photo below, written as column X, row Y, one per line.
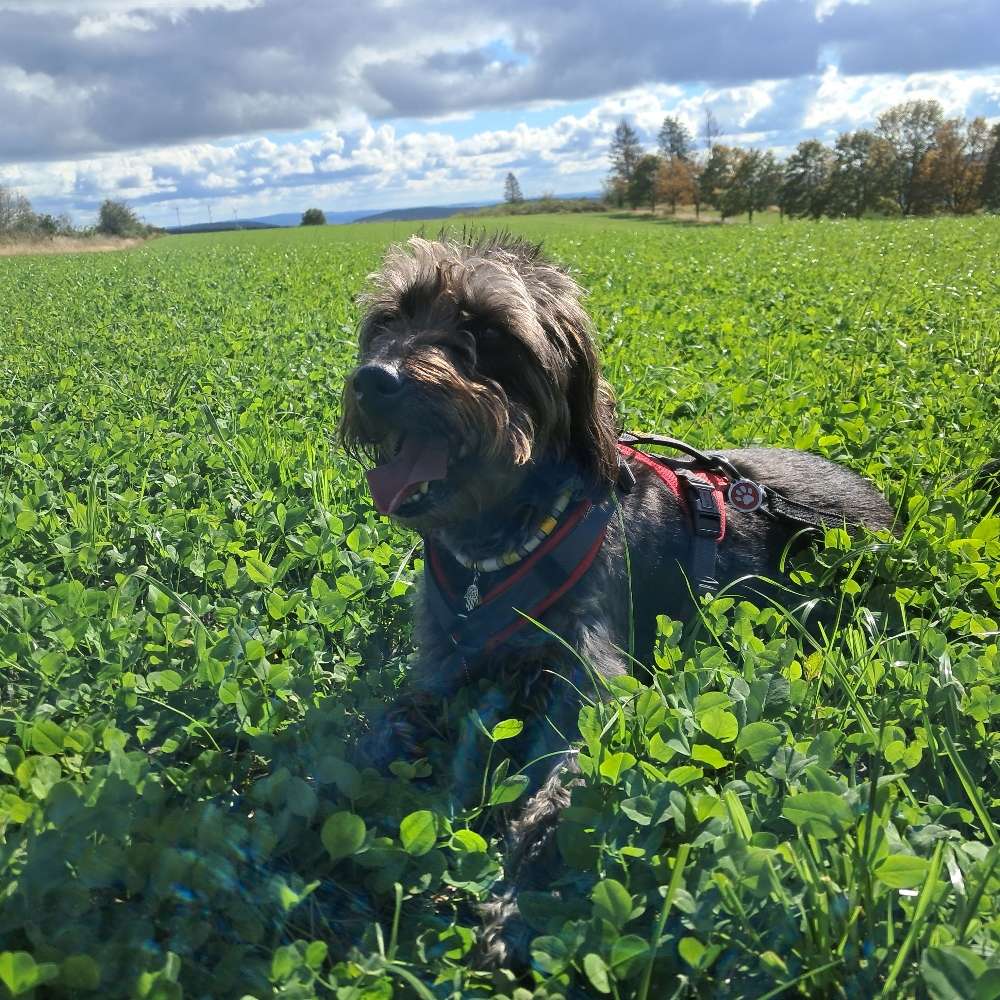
column 702, row 495
column 537, row 583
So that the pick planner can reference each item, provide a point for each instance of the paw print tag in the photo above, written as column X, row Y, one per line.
column 745, row 495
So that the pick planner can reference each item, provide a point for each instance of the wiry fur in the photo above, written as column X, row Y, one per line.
column 495, row 354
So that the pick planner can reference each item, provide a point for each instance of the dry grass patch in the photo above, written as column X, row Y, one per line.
column 69, row 244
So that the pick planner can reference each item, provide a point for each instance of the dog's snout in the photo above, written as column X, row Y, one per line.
column 375, row 383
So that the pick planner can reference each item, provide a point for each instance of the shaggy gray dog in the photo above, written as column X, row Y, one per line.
column 479, row 403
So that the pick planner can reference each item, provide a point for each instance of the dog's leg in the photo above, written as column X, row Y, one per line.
column 530, row 839
column 530, row 847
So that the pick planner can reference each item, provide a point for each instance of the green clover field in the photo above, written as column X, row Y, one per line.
column 199, row 608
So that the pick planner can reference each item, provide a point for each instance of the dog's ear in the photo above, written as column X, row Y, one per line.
column 593, row 431
column 587, row 428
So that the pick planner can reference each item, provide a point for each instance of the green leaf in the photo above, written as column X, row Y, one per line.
column 626, row 952
column 719, row 724
column 418, row 832
column 825, row 815
column 159, row 601
column 684, row 774
column 316, row 952
column 20, row 973
column 708, row 755
column 26, row 520
column 47, row 737
column 506, row 730
column 231, row 573
column 614, row 764
column 902, row 871
column 343, row 834
column 612, row 902
column 80, row 972
column 258, row 570
column 951, row 972
column 550, row 954
column 347, row 778
column 165, row 680
column 597, row 972
column 639, row 809
column 508, row 790
column 988, row 987
column 468, row 840
column 759, row 740
column 691, row 950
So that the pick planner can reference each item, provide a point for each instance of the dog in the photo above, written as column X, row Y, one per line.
column 479, row 406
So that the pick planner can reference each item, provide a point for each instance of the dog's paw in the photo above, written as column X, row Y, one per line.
column 396, row 735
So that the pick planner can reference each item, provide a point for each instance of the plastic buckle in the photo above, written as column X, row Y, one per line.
column 705, row 514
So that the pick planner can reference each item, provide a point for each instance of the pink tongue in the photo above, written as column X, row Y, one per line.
column 418, row 461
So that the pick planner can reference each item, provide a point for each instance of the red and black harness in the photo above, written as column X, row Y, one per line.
column 704, row 485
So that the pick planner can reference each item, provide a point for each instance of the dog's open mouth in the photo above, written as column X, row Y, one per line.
column 402, row 483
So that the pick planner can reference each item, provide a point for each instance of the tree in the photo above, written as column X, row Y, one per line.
column 695, row 166
column 989, row 190
column 512, row 190
column 642, row 186
column 710, row 130
column 675, row 182
column 16, row 215
column 675, row 140
column 313, row 217
column 716, row 174
column 118, row 219
column 950, row 176
column 753, row 183
column 909, row 129
column 626, row 150
column 615, row 191
column 805, row 182
column 861, row 176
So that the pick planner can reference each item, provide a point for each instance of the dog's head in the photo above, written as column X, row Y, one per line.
column 475, row 361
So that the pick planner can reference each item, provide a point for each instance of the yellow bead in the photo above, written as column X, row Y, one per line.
column 510, row 558
column 547, row 525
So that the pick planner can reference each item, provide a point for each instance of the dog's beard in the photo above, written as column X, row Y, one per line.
column 447, row 462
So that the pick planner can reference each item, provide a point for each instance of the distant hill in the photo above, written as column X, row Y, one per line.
column 219, row 227
column 423, row 212
column 332, row 218
column 288, row 219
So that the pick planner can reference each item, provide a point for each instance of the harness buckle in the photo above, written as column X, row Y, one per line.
column 704, row 512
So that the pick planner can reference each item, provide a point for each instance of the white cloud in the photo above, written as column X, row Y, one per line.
column 105, row 7
column 849, row 102
column 361, row 163
column 824, row 8
column 116, row 22
column 177, row 71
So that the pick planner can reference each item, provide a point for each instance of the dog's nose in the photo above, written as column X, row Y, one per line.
column 375, row 383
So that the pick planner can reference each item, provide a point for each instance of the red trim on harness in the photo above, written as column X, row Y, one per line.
column 669, row 479
column 542, row 606
column 439, row 574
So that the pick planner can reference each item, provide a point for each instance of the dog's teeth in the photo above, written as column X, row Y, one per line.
column 423, row 487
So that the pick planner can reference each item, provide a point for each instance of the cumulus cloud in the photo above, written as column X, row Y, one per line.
column 79, row 77
column 366, row 164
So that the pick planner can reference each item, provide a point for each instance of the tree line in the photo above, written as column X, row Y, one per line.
column 19, row 221
column 915, row 161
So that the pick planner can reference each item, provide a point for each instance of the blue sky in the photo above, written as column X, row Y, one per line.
column 262, row 106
